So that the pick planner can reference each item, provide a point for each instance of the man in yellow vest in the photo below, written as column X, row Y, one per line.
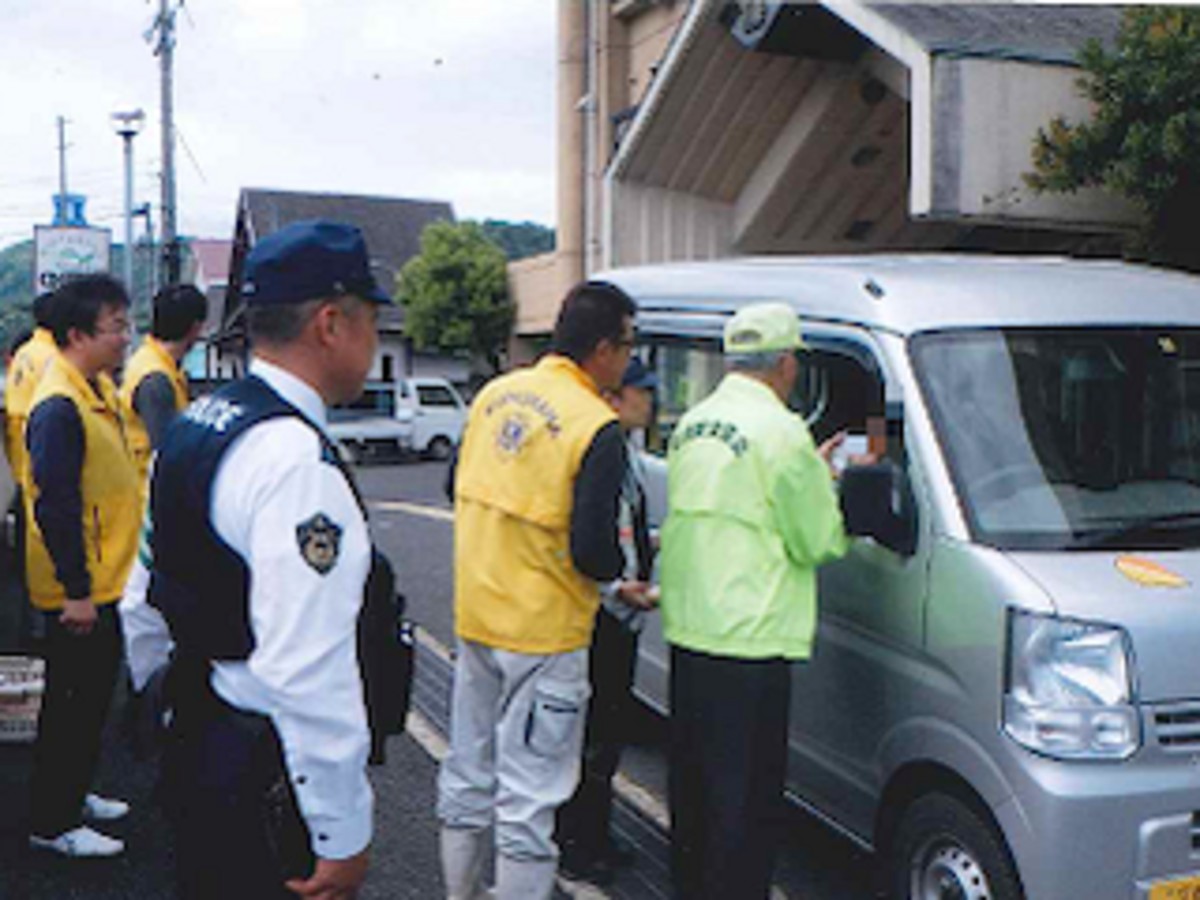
column 536, row 495
column 82, row 515
column 154, row 389
column 24, row 372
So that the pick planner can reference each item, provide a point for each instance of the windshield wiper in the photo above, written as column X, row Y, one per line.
column 1150, row 532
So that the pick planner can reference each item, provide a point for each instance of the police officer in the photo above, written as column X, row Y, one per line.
column 260, row 552
column 751, row 513
column 81, row 513
column 154, row 388
column 536, row 491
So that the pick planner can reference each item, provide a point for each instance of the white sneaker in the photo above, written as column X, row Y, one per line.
column 102, row 809
column 79, row 843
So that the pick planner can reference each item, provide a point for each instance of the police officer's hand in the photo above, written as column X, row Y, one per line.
column 78, row 616
column 334, row 879
column 638, row 594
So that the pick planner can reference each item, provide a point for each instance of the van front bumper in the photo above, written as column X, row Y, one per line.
column 1104, row 830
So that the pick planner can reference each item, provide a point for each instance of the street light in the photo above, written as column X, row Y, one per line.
column 127, row 125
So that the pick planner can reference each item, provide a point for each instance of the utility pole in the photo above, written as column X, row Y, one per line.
column 127, row 125
column 165, row 51
column 60, row 218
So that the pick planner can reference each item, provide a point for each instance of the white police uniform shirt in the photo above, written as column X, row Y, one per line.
column 303, row 672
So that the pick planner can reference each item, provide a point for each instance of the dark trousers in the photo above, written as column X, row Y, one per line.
column 583, row 821
column 728, row 753
column 80, row 673
column 219, row 766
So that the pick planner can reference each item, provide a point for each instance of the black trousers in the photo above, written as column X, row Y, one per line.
column 81, row 671
column 219, row 765
column 584, row 819
column 728, row 753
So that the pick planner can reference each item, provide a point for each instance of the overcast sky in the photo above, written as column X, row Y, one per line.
column 433, row 99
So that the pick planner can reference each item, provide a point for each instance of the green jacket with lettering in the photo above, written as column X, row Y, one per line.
column 752, row 513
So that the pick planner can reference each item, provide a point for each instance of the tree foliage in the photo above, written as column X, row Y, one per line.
column 455, row 292
column 1143, row 140
column 519, row 239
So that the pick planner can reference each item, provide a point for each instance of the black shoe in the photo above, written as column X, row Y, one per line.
column 577, row 864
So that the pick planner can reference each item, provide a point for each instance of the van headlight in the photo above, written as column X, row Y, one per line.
column 1068, row 693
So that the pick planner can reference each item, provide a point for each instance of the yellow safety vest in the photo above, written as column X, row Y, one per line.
column 150, row 358
column 108, row 483
column 516, row 586
column 752, row 513
column 24, row 372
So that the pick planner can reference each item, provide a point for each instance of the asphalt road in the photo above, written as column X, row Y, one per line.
column 411, row 520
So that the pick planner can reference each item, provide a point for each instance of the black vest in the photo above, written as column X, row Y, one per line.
column 199, row 583
column 202, row 586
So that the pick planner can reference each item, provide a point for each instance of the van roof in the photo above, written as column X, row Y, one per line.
column 911, row 293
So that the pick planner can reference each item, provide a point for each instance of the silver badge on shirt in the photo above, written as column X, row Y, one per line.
column 320, row 540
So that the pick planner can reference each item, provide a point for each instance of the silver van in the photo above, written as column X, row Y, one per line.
column 1004, row 698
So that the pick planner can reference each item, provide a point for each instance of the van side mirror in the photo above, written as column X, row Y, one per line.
column 877, row 502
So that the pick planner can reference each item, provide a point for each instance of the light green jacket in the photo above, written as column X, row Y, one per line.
column 751, row 513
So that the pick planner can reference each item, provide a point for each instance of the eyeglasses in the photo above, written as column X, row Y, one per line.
column 118, row 327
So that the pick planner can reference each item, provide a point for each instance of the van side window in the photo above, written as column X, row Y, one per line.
column 374, row 401
column 687, row 373
column 435, row 395
column 839, row 391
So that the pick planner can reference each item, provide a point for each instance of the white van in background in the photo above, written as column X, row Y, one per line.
column 422, row 415
column 438, row 414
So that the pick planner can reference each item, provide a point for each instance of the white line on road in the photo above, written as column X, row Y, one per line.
column 426, row 734
column 414, row 509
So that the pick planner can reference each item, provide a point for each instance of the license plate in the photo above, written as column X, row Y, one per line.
column 1180, row 889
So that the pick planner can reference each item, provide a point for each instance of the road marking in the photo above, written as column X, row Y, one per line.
column 637, row 795
column 414, row 509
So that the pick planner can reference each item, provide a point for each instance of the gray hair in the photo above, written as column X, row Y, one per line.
column 755, row 362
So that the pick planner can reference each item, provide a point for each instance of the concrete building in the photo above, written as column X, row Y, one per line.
column 706, row 129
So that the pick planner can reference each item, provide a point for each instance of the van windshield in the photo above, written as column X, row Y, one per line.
column 1070, row 438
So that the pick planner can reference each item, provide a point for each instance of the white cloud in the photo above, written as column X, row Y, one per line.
column 447, row 99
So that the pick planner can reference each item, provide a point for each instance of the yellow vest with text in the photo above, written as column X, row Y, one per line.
column 150, row 358
column 24, row 372
column 516, row 586
column 108, row 484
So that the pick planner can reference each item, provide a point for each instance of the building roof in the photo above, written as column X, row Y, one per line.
column 392, row 227
column 1040, row 32
column 906, row 294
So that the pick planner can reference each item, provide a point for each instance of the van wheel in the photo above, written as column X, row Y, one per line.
column 439, row 448
column 943, row 849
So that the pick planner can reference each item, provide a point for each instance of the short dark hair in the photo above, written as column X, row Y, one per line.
column 43, row 310
column 592, row 312
column 18, row 339
column 79, row 300
column 279, row 323
column 177, row 307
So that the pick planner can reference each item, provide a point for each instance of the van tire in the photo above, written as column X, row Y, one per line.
column 944, row 847
column 439, row 448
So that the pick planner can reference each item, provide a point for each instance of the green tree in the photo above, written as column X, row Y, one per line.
column 1143, row 140
column 455, row 292
column 519, row 239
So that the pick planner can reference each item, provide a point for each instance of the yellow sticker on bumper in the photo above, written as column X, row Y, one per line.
column 1149, row 573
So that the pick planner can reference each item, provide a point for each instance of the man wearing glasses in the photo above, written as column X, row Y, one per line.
column 535, row 498
column 82, row 515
